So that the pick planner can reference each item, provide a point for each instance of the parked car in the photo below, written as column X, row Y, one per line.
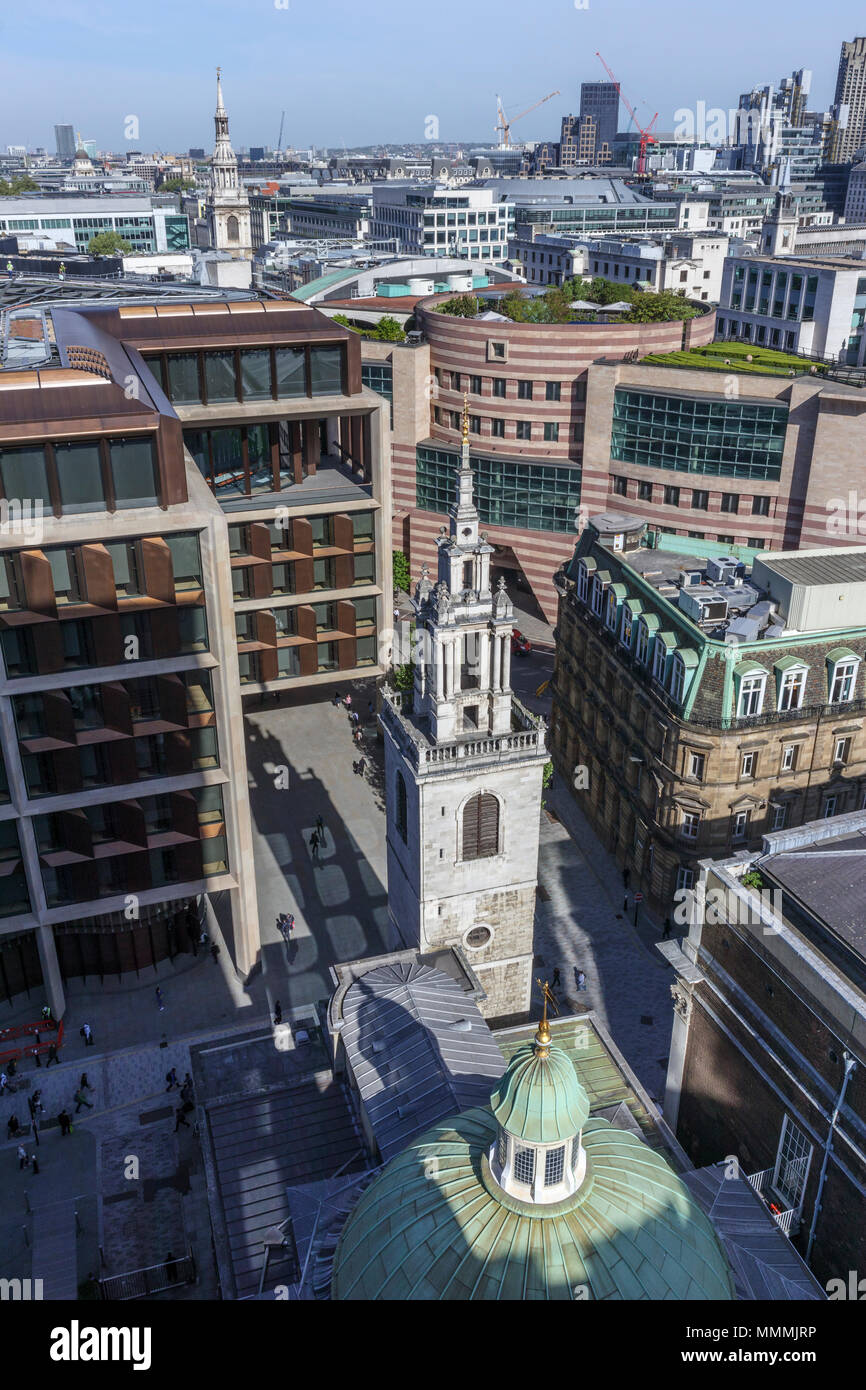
column 520, row 645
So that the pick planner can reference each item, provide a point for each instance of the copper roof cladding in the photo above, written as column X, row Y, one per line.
column 173, row 327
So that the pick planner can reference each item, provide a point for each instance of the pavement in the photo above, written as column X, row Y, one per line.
column 339, row 902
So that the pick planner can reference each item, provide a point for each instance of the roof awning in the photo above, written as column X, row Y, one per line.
column 688, row 656
column 788, row 663
column 650, row 621
column 669, row 639
column 749, row 668
column 634, row 606
column 620, row 591
column 842, row 654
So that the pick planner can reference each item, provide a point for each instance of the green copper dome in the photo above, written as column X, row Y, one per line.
column 436, row 1225
column 539, row 1098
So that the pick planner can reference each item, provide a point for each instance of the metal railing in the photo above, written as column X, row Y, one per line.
column 785, row 1218
column 153, row 1279
column 530, row 736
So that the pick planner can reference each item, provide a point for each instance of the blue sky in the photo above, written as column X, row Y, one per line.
column 357, row 73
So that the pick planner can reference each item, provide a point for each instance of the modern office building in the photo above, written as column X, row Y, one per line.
column 801, row 305
column 702, row 699
column 64, row 138
column 473, row 222
column 708, row 452
column 767, row 1052
column 599, row 102
column 681, row 262
column 855, row 198
column 142, row 221
column 584, row 207
column 526, row 385
column 213, row 479
column 850, row 102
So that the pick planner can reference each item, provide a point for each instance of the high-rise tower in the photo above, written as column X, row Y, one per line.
column 463, row 767
column 228, row 205
column 849, row 105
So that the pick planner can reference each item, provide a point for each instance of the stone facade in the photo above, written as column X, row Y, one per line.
column 463, row 773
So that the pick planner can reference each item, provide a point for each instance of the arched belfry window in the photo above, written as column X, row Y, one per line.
column 402, row 812
column 232, row 228
column 481, row 826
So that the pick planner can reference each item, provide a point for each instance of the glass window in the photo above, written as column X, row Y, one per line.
column 499, row 386
column 80, row 476
column 326, row 656
column 133, row 473
column 323, row 574
column 690, row 825
column 362, row 526
column 326, row 616
column 524, row 390
column 524, row 1166
column 365, row 650
column 192, row 627
column 791, row 689
column 256, row 374
column 25, row 477
column 288, row 661
column 64, row 572
column 291, row 372
column 284, row 578
column 183, row 382
column 792, row 1163
column 751, row 697
column 365, row 569
column 365, row 611
column 326, row 371
column 554, row 1166
column 185, row 561
column 551, row 431
column 552, row 390
column 323, row 531
column 259, row 454
column 124, row 562
column 844, row 678
column 219, row 376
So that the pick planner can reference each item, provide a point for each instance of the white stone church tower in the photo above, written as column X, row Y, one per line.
column 463, row 767
column 228, row 209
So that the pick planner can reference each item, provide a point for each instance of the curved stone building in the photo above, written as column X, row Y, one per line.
column 526, row 386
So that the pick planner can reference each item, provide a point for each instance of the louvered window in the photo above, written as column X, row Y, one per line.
column 481, row 827
column 402, row 818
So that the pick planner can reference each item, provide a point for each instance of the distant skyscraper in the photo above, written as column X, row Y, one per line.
column 850, row 101
column 197, row 153
column 64, row 136
column 600, row 100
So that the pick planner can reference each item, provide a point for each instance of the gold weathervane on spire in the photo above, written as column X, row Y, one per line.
column 219, row 73
column 542, row 1037
column 465, row 418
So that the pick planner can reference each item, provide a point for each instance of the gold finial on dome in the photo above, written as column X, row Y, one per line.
column 542, row 1037
column 465, row 418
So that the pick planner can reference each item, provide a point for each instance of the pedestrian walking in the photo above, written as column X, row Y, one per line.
column 171, row 1078
column 38, row 1107
column 81, row 1100
column 357, row 735
column 314, row 845
column 65, row 1122
column 84, row 1084
column 46, row 1012
column 215, row 951
column 355, row 717
column 581, row 980
column 278, row 1013
column 187, row 1080
column 348, row 702
column 35, row 1054
column 87, row 1034
column 320, row 828
column 337, row 700
column 159, row 999
column 52, row 1055
column 556, row 978
column 34, row 1165
column 180, row 1119
column 22, row 1157
column 360, row 767
column 667, row 931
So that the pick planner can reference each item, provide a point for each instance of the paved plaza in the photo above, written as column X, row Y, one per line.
column 300, row 761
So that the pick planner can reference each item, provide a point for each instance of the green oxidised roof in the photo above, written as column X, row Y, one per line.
column 435, row 1226
column 540, row 1098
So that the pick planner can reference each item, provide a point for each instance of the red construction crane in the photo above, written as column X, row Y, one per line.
column 646, row 137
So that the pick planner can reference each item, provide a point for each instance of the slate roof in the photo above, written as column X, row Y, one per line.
column 829, row 879
column 763, row 1261
column 418, row 1049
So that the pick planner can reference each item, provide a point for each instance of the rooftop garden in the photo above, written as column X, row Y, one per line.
column 738, row 357
column 555, row 305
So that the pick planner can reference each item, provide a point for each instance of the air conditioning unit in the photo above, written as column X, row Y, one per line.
column 722, row 569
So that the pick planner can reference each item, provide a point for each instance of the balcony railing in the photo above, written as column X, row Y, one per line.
column 530, row 737
column 786, row 1219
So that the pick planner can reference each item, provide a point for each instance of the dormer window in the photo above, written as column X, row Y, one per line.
column 792, row 688
column 843, row 667
column 582, row 582
column 642, row 643
column 626, row 628
column 597, row 595
column 678, row 677
column 610, row 614
column 659, row 659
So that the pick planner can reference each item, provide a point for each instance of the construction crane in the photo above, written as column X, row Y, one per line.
column 280, row 136
column 644, row 132
column 503, row 125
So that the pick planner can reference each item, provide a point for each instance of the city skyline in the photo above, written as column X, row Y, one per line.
column 91, row 63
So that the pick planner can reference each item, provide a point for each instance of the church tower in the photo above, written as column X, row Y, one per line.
column 228, row 204
column 463, row 766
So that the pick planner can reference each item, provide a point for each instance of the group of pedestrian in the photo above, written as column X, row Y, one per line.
column 579, row 979
column 286, row 925
column 26, row 1160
